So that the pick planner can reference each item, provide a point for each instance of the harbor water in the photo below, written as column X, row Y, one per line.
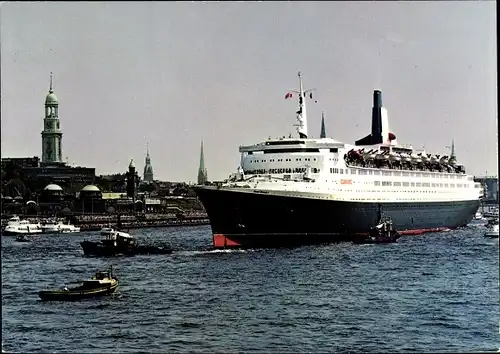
column 428, row 293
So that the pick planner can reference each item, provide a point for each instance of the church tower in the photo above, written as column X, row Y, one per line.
column 202, row 171
column 51, row 134
column 323, row 129
column 148, row 168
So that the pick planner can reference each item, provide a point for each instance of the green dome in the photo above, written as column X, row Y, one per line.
column 51, row 98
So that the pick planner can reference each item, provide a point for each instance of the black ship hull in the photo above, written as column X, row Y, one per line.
column 250, row 219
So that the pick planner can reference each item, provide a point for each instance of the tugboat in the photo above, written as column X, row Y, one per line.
column 117, row 243
column 102, row 283
column 383, row 232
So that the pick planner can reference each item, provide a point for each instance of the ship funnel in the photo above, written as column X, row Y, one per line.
column 380, row 123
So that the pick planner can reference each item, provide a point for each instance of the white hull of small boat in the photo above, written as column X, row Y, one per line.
column 493, row 232
column 69, row 229
column 20, row 230
column 16, row 226
column 59, row 228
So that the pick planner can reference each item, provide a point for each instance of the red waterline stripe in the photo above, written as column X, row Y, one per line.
column 423, row 231
column 220, row 240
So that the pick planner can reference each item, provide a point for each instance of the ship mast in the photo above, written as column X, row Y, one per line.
column 301, row 112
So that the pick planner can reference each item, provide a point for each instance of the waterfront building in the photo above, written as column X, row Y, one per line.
column 490, row 186
column 90, row 200
column 24, row 176
column 202, row 171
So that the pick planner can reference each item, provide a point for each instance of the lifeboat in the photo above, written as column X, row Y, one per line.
column 415, row 158
column 405, row 157
column 443, row 160
column 426, row 158
column 434, row 159
column 394, row 157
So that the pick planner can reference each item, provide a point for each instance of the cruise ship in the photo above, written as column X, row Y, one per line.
column 300, row 191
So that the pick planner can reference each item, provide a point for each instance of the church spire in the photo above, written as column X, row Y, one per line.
column 323, row 129
column 202, row 171
column 148, row 167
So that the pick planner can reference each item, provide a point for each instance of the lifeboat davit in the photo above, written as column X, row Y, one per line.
column 394, row 157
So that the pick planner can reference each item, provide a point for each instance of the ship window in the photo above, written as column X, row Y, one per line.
column 334, row 150
column 446, row 185
column 341, row 170
column 376, row 183
column 452, row 185
column 386, row 183
column 284, row 142
column 397, row 184
column 376, row 173
column 406, row 184
column 280, row 151
column 426, row 184
column 419, row 184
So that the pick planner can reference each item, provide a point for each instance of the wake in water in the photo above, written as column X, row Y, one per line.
column 211, row 251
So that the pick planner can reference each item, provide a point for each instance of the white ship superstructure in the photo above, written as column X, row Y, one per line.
column 329, row 169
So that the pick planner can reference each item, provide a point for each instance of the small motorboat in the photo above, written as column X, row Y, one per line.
column 383, row 232
column 492, row 228
column 117, row 243
column 102, row 283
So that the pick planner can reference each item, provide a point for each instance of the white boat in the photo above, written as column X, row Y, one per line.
column 106, row 231
column 111, row 233
column 16, row 226
column 492, row 229
column 68, row 228
column 59, row 228
column 478, row 216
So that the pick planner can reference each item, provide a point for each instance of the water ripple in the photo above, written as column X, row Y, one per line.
column 428, row 293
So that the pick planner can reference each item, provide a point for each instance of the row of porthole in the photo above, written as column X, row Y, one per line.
column 280, row 160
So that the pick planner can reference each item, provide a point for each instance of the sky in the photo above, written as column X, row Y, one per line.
column 172, row 74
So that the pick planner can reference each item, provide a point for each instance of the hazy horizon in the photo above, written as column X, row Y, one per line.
column 173, row 73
